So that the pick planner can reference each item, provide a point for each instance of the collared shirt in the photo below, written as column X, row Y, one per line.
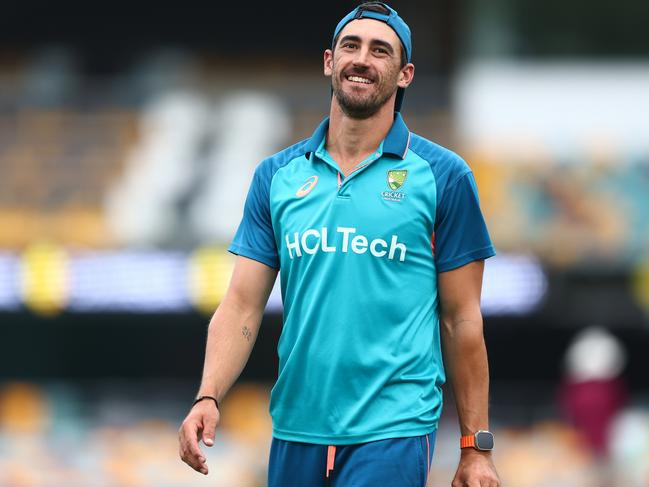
column 360, row 356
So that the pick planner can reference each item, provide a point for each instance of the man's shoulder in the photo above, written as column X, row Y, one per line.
column 436, row 154
column 446, row 164
column 270, row 165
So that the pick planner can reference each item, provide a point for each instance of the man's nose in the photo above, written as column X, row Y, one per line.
column 362, row 57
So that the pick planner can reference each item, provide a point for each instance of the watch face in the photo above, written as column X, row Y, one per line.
column 484, row 440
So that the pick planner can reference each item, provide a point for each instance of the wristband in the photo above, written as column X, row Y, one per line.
column 200, row 398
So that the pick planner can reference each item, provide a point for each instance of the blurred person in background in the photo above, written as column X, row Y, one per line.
column 593, row 391
column 379, row 237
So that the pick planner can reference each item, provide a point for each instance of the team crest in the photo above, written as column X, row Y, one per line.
column 396, row 178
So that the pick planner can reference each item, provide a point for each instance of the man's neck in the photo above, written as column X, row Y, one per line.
column 350, row 141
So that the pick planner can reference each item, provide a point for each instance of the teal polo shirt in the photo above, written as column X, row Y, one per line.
column 359, row 353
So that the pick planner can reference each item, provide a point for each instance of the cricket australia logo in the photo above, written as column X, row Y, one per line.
column 396, row 179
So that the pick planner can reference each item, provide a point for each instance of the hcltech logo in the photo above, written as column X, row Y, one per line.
column 312, row 241
column 396, row 179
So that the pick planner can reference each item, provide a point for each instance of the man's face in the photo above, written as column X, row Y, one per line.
column 365, row 67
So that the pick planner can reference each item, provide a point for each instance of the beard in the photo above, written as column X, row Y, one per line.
column 362, row 106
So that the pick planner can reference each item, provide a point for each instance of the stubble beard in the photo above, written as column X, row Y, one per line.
column 361, row 107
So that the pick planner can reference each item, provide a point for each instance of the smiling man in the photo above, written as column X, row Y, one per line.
column 381, row 245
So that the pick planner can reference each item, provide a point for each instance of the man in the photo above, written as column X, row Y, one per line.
column 379, row 237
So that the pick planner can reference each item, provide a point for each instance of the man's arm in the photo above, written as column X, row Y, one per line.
column 465, row 358
column 231, row 335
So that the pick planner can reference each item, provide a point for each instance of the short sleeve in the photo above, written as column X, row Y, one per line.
column 461, row 234
column 255, row 238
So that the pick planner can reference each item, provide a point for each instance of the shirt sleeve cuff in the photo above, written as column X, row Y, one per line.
column 242, row 250
column 479, row 254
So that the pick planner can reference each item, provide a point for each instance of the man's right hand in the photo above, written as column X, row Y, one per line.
column 230, row 338
column 199, row 424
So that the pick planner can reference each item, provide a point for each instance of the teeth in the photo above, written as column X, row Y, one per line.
column 358, row 79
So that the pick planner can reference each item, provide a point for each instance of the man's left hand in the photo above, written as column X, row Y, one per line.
column 477, row 469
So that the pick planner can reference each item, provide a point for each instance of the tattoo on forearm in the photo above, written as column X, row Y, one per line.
column 246, row 333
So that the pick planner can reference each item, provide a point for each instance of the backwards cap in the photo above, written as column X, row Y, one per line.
column 395, row 22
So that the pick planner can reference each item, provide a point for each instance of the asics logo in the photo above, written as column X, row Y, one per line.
column 306, row 188
column 314, row 240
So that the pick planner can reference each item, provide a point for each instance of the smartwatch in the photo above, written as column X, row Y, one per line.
column 481, row 440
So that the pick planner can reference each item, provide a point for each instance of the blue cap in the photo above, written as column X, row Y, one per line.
column 393, row 20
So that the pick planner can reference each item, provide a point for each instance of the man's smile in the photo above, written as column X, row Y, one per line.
column 359, row 79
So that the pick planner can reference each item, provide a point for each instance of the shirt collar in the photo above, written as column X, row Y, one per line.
column 395, row 143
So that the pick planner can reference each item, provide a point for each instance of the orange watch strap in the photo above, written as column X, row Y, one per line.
column 467, row 441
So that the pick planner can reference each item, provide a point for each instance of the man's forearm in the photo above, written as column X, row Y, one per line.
column 231, row 335
column 465, row 357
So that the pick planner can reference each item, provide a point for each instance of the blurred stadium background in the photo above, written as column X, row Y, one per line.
column 128, row 135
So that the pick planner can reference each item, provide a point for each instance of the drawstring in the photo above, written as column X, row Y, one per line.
column 427, row 456
column 331, row 458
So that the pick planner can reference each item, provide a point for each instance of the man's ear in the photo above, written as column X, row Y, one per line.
column 406, row 75
column 328, row 62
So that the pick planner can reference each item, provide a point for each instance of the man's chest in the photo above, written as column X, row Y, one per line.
column 378, row 210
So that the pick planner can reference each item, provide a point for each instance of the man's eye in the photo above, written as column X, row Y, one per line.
column 349, row 45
